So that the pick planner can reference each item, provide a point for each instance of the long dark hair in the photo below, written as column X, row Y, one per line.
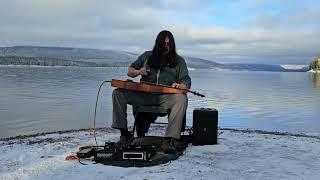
column 158, row 59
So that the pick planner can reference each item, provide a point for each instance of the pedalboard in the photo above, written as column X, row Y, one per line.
column 114, row 152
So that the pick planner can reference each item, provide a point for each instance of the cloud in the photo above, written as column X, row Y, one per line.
column 304, row 19
column 260, row 36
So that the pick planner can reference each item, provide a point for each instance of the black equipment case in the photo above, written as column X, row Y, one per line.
column 205, row 126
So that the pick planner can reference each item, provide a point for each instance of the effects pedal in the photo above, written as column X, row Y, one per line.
column 85, row 152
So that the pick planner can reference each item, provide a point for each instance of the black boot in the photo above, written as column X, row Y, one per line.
column 168, row 146
column 126, row 137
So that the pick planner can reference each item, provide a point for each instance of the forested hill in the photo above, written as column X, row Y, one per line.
column 64, row 56
column 65, row 53
column 315, row 64
column 51, row 61
column 79, row 57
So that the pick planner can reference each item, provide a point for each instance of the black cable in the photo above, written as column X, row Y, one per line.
column 81, row 162
column 95, row 113
column 221, row 132
column 167, row 164
column 185, row 150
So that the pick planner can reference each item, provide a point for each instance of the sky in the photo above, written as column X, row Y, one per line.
column 225, row 31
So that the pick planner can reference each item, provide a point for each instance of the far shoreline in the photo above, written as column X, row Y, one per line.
column 36, row 66
column 120, row 67
column 314, row 71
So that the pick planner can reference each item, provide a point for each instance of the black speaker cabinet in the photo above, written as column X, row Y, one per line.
column 205, row 126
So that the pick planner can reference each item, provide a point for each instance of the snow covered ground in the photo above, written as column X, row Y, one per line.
column 240, row 154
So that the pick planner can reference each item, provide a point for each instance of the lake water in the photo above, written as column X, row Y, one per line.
column 43, row 99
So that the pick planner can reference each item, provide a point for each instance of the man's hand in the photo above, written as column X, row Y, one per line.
column 135, row 72
column 143, row 71
column 180, row 86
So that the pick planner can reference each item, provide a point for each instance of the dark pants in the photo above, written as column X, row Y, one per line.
column 176, row 102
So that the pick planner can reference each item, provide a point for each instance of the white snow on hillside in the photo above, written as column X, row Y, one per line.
column 294, row 66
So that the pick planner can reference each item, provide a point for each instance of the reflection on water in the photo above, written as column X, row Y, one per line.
column 38, row 99
column 316, row 80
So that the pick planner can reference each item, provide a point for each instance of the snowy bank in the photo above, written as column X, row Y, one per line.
column 314, row 71
column 240, row 154
column 294, row 66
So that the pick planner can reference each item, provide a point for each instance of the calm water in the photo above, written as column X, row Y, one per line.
column 42, row 99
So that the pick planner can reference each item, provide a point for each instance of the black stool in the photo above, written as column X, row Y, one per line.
column 145, row 115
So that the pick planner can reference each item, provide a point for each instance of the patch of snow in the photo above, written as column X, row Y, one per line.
column 294, row 66
column 314, row 71
column 239, row 154
column 219, row 69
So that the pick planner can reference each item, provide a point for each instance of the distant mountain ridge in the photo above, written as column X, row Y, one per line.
column 68, row 56
column 66, row 53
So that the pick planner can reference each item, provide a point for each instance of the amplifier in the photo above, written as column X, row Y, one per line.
column 205, row 126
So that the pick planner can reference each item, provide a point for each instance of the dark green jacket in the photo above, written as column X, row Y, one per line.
column 166, row 75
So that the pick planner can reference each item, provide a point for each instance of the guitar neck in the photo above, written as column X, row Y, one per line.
column 162, row 85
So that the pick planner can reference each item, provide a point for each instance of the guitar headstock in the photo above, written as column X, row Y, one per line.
column 198, row 94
